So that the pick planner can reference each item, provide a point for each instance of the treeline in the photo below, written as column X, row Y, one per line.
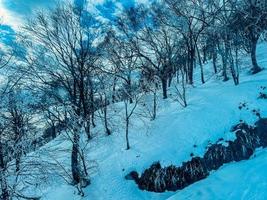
column 67, row 63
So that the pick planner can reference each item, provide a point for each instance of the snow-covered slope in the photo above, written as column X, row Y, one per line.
column 171, row 138
column 246, row 180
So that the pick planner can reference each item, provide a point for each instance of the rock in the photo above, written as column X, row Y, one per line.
column 261, row 131
column 193, row 171
column 216, row 156
column 133, row 175
column 172, row 178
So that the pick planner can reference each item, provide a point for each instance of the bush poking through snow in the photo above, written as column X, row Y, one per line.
column 262, row 94
column 172, row 178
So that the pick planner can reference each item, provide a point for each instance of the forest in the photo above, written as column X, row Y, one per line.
column 72, row 81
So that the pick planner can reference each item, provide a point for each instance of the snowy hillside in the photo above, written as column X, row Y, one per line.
column 242, row 180
column 133, row 100
column 171, row 138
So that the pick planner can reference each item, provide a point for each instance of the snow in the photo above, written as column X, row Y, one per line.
column 244, row 180
column 171, row 138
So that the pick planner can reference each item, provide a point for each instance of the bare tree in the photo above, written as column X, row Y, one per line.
column 63, row 61
column 250, row 20
column 16, row 140
column 130, row 109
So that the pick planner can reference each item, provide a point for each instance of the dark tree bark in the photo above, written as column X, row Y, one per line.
column 214, row 60
column 164, row 87
column 54, row 131
column 255, row 67
column 234, row 67
column 92, row 107
column 191, row 58
column 129, row 89
column 170, row 81
column 127, row 134
column 204, row 54
column 114, row 90
column 4, row 188
column 105, row 116
column 75, row 168
column 87, row 128
column 201, row 65
column 154, row 105
column 224, row 72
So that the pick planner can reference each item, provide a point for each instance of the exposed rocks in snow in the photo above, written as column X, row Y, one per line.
column 262, row 94
column 172, row 178
column 133, row 175
column 261, row 131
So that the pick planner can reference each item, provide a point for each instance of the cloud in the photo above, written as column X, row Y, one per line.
column 16, row 12
column 8, row 17
column 26, row 7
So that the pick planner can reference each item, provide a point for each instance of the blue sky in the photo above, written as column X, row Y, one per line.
column 25, row 7
column 14, row 13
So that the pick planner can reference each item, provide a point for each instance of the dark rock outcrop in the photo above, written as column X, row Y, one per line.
column 172, row 178
column 261, row 131
column 158, row 179
column 133, row 175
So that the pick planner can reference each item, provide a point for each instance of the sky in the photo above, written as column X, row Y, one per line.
column 14, row 13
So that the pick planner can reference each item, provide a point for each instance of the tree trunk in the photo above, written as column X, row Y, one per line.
column 93, row 118
column 237, row 66
column 114, row 90
column 105, row 117
column 191, row 59
column 204, row 54
column 75, row 168
column 54, row 133
column 17, row 161
column 87, row 129
column 84, row 165
column 4, row 189
column 184, row 89
column 255, row 67
column 224, row 73
column 177, row 76
column 201, row 66
column 3, row 181
column 164, row 87
column 127, row 119
column 18, row 149
column 127, row 134
column 154, row 105
column 170, row 80
column 223, row 54
column 129, row 90
column 233, row 68
column 92, row 105
column 214, row 60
